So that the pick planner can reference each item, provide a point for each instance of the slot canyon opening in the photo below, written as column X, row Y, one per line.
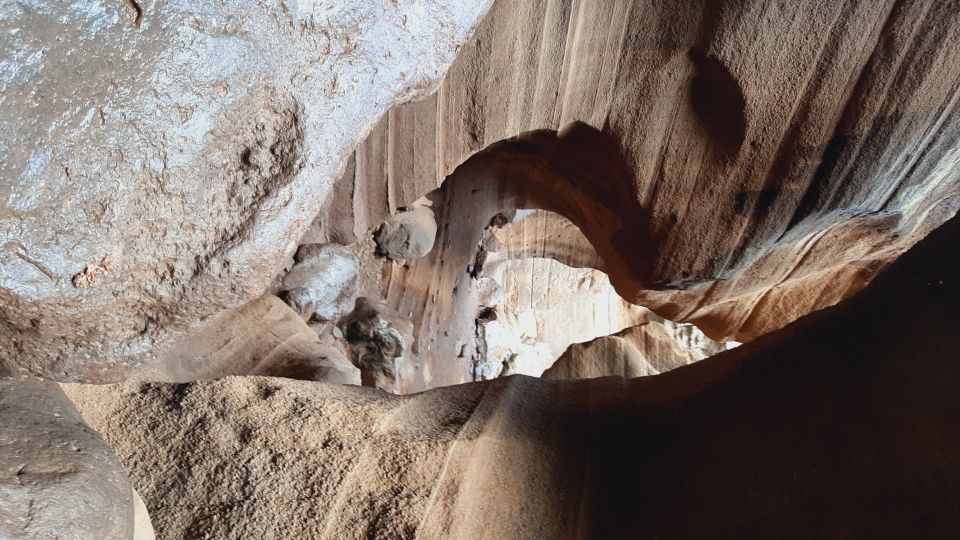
column 513, row 265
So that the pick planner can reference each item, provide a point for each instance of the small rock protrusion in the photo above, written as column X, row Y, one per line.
column 377, row 339
column 408, row 234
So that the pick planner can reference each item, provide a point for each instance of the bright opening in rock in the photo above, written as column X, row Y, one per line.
column 430, row 269
column 462, row 285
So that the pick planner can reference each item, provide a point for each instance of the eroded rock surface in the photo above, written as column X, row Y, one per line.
column 408, row 234
column 855, row 407
column 322, row 284
column 263, row 337
column 378, row 341
column 774, row 156
column 640, row 351
column 58, row 479
column 161, row 160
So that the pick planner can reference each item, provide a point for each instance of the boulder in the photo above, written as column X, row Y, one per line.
column 161, row 160
column 322, row 284
column 408, row 234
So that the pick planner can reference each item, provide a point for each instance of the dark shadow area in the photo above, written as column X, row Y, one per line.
column 844, row 424
column 718, row 102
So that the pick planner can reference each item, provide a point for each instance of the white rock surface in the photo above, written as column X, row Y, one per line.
column 322, row 285
column 510, row 353
column 160, row 160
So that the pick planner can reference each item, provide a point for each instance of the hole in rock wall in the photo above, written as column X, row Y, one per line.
column 494, row 273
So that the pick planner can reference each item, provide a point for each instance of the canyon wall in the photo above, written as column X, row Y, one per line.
column 774, row 156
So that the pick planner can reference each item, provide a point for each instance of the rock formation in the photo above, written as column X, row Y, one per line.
column 752, row 187
column 239, row 211
column 58, row 479
column 839, row 425
column 408, row 234
column 264, row 337
column 378, row 342
column 647, row 349
column 161, row 160
column 322, row 283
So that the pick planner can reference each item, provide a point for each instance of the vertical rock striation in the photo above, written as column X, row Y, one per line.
column 842, row 424
column 778, row 155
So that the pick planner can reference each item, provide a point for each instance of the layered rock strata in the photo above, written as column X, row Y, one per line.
column 754, row 186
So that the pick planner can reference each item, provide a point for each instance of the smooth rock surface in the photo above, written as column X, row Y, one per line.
column 159, row 161
column 776, row 155
column 646, row 349
column 142, row 526
column 263, row 337
column 58, row 479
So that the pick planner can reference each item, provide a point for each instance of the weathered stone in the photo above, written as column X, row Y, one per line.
column 158, row 164
column 379, row 341
column 408, row 234
column 648, row 349
column 322, row 284
column 58, row 479
column 263, row 337
column 773, row 156
column 841, row 424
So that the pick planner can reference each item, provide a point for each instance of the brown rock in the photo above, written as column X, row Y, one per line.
column 264, row 337
column 647, row 349
column 839, row 425
column 755, row 187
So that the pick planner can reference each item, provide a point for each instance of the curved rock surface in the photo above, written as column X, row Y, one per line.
column 263, row 337
column 159, row 161
column 58, row 479
column 842, row 424
column 774, row 156
column 646, row 349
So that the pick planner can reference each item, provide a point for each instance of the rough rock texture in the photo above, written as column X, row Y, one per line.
column 58, row 479
column 840, row 425
column 159, row 161
column 775, row 155
column 263, row 337
column 646, row 349
column 378, row 342
column 322, row 283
